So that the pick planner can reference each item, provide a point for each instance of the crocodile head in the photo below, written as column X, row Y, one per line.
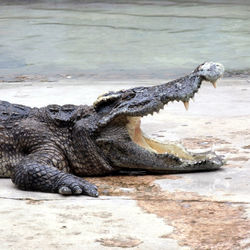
column 121, row 139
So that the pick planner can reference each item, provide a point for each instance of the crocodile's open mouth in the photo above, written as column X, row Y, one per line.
column 152, row 145
column 134, row 148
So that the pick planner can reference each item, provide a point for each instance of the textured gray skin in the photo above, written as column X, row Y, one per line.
column 46, row 149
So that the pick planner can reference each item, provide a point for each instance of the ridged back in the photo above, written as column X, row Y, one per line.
column 12, row 112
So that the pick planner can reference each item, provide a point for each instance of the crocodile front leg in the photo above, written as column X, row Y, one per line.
column 36, row 172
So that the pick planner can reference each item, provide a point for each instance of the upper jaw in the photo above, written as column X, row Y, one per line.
column 186, row 87
column 182, row 89
column 147, row 100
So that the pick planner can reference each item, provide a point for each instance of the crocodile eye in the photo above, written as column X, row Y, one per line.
column 129, row 95
column 69, row 110
column 53, row 111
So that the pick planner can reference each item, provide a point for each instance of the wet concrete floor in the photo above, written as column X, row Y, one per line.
column 182, row 211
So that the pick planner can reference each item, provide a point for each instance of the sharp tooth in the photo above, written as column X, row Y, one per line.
column 214, row 84
column 186, row 104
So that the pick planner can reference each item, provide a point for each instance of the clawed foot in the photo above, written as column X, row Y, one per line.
column 70, row 184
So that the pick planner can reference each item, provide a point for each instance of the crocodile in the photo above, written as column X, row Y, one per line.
column 50, row 149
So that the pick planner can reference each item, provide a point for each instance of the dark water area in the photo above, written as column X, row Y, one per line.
column 122, row 39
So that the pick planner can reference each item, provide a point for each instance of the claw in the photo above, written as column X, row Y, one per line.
column 65, row 190
column 92, row 192
column 77, row 190
column 96, row 194
column 72, row 185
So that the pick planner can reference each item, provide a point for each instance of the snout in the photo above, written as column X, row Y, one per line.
column 211, row 71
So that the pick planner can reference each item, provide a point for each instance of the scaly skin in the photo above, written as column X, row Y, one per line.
column 46, row 149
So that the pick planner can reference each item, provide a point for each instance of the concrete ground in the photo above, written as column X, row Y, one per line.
column 209, row 210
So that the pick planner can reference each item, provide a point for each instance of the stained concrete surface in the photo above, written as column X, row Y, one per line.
column 158, row 212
